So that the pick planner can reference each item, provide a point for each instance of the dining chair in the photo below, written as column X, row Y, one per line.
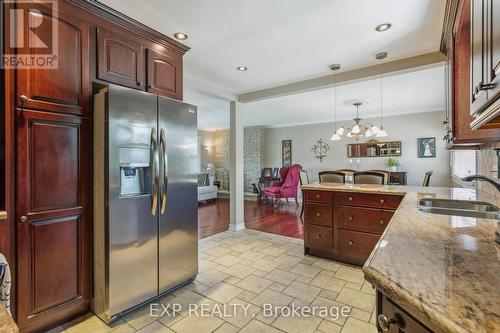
column 387, row 175
column 369, row 177
column 304, row 180
column 427, row 178
column 331, row 177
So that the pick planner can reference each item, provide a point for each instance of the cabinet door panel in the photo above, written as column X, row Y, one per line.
column 66, row 87
column 53, row 280
column 478, row 97
column 494, row 47
column 120, row 59
column 165, row 74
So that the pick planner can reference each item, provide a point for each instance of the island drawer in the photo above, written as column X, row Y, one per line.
column 319, row 196
column 356, row 246
column 318, row 237
column 318, row 213
column 367, row 199
column 361, row 219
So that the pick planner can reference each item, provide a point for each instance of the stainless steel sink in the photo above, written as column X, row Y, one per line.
column 460, row 208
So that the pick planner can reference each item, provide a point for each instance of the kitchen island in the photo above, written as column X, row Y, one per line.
column 433, row 273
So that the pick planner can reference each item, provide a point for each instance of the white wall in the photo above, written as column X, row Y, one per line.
column 206, row 147
column 405, row 128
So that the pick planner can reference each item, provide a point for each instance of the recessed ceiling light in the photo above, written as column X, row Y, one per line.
column 381, row 55
column 180, row 36
column 241, row 68
column 383, row 27
column 335, row 67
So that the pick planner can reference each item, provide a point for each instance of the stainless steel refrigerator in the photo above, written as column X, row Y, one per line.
column 145, row 198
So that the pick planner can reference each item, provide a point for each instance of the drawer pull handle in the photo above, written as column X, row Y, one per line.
column 23, row 219
column 318, row 214
column 382, row 201
column 350, row 198
column 382, row 222
column 318, row 236
column 385, row 323
column 350, row 218
column 351, row 242
column 318, row 196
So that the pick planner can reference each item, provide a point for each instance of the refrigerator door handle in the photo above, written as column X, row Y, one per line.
column 153, row 158
column 163, row 172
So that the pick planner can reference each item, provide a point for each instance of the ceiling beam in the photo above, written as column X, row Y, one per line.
column 407, row 65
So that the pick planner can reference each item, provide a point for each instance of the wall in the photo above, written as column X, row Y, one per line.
column 222, row 155
column 404, row 128
column 487, row 165
column 206, row 149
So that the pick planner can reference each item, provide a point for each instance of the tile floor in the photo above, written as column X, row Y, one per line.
column 251, row 268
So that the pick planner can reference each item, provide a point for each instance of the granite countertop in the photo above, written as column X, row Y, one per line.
column 7, row 324
column 442, row 269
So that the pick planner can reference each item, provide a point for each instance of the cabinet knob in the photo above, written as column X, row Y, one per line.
column 382, row 201
column 351, row 242
column 23, row 99
column 318, row 236
column 350, row 218
column 350, row 198
column 382, row 222
column 150, row 86
column 139, row 83
column 318, row 196
column 318, row 214
column 385, row 323
column 23, row 219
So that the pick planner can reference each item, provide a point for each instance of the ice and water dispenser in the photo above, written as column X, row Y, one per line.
column 135, row 171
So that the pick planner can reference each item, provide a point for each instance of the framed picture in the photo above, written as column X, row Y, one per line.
column 426, row 147
column 286, row 153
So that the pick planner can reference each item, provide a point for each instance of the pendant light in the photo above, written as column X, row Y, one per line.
column 336, row 135
column 380, row 132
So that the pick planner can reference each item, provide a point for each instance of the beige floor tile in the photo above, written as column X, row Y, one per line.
column 360, row 314
column 260, row 273
column 288, row 259
column 297, row 324
column 87, row 324
column 226, row 328
column 331, row 295
column 272, row 297
column 218, row 251
column 368, row 288
column 140, row 317
column 197, row 324
column 269, row 257
column 265, row 265
column 228, row 260
column 155, row 327
column 304, row 279
column 239, row 312
column 246, row 295
column 357, row 299
column 205, row 265
column 328, row 265
column 350, row 274
column 340, row 314
column 326, row 272
column 328, row 283
column 212, row 278
column 241, row 247
column 308, row 261
column 252, row 255
column 240, row 271
column 354, row 325
column 352, row 285
column 306, row 270
column 232, row 280
column 222, row 292
column 256, row 326
column 273, row 251
column 125, row 328
column 302, row 291
column 254, row 284
column 281, row 276
column 277, row 287
column 327, row 326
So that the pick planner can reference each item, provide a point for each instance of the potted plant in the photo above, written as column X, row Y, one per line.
column 392, row 163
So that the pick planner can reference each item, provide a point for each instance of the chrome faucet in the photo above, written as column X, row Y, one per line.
column 490, row 180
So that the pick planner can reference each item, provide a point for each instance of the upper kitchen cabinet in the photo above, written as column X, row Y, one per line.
column 63, row 87
column 165, row 73
column 120, row 59
column 485, row 66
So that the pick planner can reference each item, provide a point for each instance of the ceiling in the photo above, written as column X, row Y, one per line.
column 287, row 41
column 420, row 91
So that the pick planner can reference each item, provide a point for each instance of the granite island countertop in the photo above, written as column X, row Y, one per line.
column 7, row 324
column 442, row 269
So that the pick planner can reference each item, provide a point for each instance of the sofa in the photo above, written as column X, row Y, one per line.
column 206, row 192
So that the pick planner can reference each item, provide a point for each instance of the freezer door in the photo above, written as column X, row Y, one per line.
column 178, row 229
column 132, row 224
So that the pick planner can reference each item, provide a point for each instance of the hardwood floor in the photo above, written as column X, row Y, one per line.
column 285, row 220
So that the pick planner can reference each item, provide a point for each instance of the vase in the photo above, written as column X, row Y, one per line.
column 393, row 168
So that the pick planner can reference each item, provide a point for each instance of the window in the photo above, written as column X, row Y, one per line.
column 463, row 163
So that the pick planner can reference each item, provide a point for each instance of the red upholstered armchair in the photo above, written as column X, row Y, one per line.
column 286, row 189
column 283, row 173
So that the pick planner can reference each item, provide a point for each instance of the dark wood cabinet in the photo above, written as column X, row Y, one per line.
column 64, row 88
column 164, row 73
column 52, row 206
column 345, row 226
column 120, row 59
